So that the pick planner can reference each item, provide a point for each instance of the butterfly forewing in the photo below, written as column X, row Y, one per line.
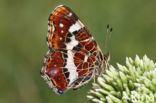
column 60, row 21
column 74, row 56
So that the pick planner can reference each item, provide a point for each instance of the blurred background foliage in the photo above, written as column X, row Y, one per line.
column 23, row 29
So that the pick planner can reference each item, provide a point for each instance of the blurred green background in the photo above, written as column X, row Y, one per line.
column 23, row 30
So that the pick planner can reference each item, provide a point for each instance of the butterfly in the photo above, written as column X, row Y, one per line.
column 74, row 57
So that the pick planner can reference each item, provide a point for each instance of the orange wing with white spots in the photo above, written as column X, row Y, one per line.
column 74, row 56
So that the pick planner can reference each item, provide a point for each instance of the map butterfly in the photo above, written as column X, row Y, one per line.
column 74, row 57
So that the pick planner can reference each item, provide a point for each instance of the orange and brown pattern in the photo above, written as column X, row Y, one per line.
column 74, row 57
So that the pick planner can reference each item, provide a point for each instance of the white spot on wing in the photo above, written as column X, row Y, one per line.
column 86, row 58
column 69, row 15
column 75, row 27
column 70, row 61
column 59, row 6
column 71, row 67
column 53, row 29
column 62, row 31
column 49, row 28
column 61, row 38
column 61, row 25
column 72, row 43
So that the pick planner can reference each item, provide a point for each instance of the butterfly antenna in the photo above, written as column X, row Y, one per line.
column 108, row 36
column 109, row 32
